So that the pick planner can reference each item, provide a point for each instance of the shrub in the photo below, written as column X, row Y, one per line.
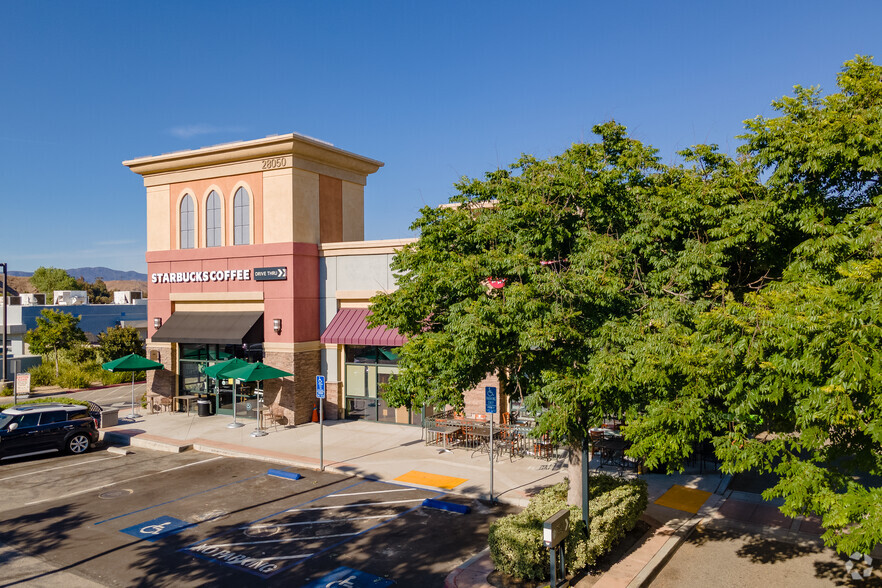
column 74, row 377
column 516, row 545
column 43, row 374
column 108, row 378
column 61, row 400
column 6, row 391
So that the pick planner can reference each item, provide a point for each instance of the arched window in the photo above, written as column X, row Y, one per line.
column 188, row 223
column 213, row 225
column 241, row 217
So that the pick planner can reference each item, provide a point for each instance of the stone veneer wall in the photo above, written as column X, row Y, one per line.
column 162, row 382
column 294, row 394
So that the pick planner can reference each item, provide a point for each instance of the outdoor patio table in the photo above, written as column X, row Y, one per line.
column 186, row 398
column 445, row 433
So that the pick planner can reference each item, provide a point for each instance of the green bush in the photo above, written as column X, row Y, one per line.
column 615, row 504
column 109, row 378
column 43, row 374
column 61, row 400
column 74, row 377
column 6, row 391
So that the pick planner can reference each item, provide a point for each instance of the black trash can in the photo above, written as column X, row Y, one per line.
column 204, row 407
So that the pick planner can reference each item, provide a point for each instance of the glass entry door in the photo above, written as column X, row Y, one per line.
column 246, row 400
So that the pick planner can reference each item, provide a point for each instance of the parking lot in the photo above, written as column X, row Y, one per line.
column 158, row 519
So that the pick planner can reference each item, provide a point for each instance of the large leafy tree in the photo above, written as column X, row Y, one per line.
column 794, row 369
column 48, row 279
column 608, row 259
column 120, row 341
column 56, row 330
column 725, row 300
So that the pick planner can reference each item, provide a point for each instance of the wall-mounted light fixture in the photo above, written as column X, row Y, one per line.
column 277, row 325
column 157, row 322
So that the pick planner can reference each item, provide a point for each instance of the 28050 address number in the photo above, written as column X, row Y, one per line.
column 274, row 163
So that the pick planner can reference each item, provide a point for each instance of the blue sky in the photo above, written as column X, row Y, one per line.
column 435, row 90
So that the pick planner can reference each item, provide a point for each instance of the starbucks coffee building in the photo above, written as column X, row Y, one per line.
column 255, row 250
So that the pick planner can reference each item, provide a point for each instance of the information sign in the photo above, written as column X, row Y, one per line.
column 265, row 274
column 23, row 384
column 319, row 386
column 490, row 399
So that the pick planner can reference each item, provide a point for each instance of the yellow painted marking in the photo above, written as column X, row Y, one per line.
column 683, row 498
column 436, row 480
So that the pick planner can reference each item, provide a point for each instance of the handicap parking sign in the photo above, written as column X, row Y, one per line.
column 156, row 529
column 344, row 577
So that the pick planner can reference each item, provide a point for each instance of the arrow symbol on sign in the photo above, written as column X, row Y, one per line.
column 282, row 271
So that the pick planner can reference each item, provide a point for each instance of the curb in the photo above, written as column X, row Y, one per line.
column 471, row 573
column 145, row 441
column 677, row 536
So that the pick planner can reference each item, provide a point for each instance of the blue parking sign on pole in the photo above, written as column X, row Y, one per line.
column 490, row 399
column 319, row 386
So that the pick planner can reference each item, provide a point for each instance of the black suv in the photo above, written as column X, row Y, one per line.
column 42, row 428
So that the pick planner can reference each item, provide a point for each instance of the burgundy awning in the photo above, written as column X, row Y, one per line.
column 349, row 327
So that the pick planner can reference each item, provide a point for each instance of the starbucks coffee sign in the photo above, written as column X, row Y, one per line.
column 239, row 275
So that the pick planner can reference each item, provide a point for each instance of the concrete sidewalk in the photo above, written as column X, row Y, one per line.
column 386, row 452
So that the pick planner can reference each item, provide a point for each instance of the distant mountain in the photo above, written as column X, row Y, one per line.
column 91, row 273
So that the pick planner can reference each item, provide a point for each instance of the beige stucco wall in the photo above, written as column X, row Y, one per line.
column 158, row 227
column 278, row 206
column 305, row 222
column 353, row 212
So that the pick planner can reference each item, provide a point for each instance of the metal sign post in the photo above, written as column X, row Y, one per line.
column 320, row 394
column 554, row 530
column 490, row 407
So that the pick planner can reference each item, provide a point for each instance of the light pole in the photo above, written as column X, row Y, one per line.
column 5, row 328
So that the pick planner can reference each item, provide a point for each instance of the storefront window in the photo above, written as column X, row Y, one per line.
column 367, row 370
column 195, row 357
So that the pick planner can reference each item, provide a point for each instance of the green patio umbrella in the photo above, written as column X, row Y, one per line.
column 257, row 372
column 132, row 363
column 220, row 371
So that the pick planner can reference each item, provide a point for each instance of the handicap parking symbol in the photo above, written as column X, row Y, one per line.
column 156, row 529
column 344, row 577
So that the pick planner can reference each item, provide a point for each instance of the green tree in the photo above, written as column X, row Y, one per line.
column 49, row 279
column 96, row 291
column 791, row 373
column 608, row 259
column 722, row 300
column 120, row 341
column 56, row 330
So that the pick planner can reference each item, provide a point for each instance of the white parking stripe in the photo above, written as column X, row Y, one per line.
column 376, row 492
column 286, row 557
column 121, row 482
column 287, row 540
column 355, row 505
column 70, row 465
column 318, row 522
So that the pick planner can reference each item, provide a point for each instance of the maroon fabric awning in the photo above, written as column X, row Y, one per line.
column 349, row 327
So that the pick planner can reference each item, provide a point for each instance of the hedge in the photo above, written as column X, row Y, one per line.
column 615, row 506
column 59, row 400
